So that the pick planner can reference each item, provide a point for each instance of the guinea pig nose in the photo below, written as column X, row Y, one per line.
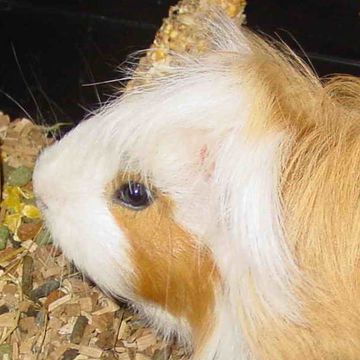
column 41, row 204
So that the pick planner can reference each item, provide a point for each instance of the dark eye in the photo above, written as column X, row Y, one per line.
column 133, row 195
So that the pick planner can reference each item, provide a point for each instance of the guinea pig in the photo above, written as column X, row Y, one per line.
column 222, row 200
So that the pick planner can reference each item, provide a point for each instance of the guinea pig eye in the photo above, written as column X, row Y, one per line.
column 133, row 195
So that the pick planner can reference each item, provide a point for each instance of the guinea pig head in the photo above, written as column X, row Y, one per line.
column 168, row 197
column 130, row 197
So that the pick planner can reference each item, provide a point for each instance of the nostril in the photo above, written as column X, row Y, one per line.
column 41, row 204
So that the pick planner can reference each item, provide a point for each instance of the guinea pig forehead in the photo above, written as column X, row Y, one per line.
column 167, row 148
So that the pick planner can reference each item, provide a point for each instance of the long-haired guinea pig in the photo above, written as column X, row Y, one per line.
column 222, row 200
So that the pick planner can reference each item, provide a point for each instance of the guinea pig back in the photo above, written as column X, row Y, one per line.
column 221, row 199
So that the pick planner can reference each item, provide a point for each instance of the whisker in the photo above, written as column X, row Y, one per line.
column 25, row 81
column 302, row 51
column 16, row 103
column 102, row 82
column 87, row 65
column 87, row 111
column 46, row 97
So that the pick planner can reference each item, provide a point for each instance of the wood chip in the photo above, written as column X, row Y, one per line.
column 28, row 325
column 123, row 356
column 15, row 350
column 106, row 340
column 86, row 304
column 140, row 356
column 78, row 330
column 71, row 310
column 4, row 309
column 59, row 302
column 45, row 289
column 110, row 308
column 90, row 351
column 162, row 354
column 27, row 275
column 8, row 320
column 146, row 340
column 70, row 354
column 26, row 345
column 28, row 231
column 102, row 322
column 51, row 301
column 41, row 317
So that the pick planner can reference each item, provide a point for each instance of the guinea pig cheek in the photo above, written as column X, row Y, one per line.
column 172, row 269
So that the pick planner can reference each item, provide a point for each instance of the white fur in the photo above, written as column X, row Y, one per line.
column 254, row 246
column 230, row 201
column 168, row 326
column 77, row 213
column 227, row 340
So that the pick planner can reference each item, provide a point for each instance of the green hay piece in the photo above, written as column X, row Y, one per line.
column 20, row 176
column 4, row 236
column 44, row 238
column 6, row 349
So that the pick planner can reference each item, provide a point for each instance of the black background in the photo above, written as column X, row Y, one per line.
column 50, row 50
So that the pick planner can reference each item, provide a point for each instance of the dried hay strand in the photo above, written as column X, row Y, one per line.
column 47, row 309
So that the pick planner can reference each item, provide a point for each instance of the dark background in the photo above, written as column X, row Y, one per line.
column 50, row 50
